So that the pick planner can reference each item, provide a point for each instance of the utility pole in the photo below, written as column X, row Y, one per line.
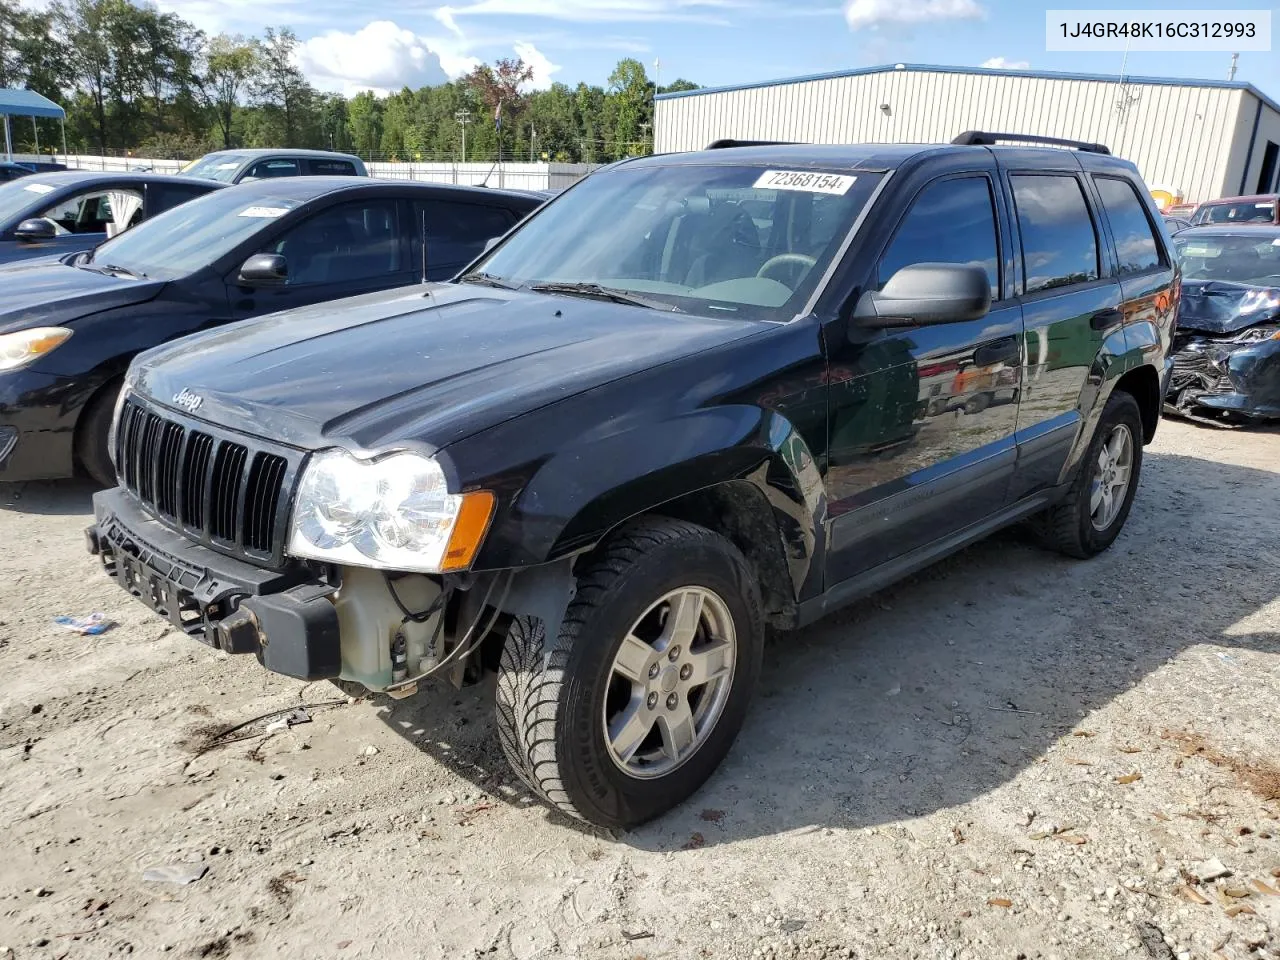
column 1235, row 59
column 463, row 117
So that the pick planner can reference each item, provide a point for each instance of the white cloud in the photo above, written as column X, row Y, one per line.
column 384, row 57
column 542, row 67
column 1004, row 63
column 869, row 14
column 380, row 56
column 584, row 11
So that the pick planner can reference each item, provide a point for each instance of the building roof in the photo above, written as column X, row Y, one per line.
column 28, row 103
column 985, row 72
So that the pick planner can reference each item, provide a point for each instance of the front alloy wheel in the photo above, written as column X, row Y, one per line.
column 632, row 706
column 669, row 682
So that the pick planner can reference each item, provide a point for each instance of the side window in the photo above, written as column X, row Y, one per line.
column 951, row 221
column 266, row 169
column 457, row 232
column 1135, row 241
column 1059, row 245
column 169, row 196
column 352, row 241
column 92, row 212
column 332, row 168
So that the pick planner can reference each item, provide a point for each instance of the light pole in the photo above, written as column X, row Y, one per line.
column 463, row 117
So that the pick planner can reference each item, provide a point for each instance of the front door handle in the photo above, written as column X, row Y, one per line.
column 1004, row 350
column 1106, row 319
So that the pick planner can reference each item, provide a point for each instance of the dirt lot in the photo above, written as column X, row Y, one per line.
column 1012, row 755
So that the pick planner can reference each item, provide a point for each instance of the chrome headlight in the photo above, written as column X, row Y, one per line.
column 395, row 513
column 19, row 349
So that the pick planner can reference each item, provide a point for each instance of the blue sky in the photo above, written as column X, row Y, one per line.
column 384, row 44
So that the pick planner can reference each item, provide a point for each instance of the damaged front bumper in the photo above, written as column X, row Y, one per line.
column 1228, row 375
column 286, row 619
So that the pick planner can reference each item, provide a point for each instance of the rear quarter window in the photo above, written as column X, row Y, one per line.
column 332, row 168
column 1137, row 249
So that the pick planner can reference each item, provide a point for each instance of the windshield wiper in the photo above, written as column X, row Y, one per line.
column 489, row 280
column 598, row 292
column 111, row 268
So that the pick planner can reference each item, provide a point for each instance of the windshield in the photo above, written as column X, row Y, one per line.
column 1251, row 260
column 217, row 166
column 181, row 241
column 17, row 196
column 713, row 239
column 1245, row 211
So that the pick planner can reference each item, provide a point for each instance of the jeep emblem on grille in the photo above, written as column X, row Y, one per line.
column 187, row 400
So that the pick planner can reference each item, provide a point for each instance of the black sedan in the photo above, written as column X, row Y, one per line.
column 50, row 214
column 1226, row 353
column 70, row 326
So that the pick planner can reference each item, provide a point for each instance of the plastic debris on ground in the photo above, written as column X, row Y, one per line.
column 90, row 626
column 176, row 872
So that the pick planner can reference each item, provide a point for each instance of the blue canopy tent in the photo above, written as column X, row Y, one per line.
column 26, row 103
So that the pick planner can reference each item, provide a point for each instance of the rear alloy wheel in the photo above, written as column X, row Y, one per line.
column 1109, row 488
column 1091, row 516
column 633, row 705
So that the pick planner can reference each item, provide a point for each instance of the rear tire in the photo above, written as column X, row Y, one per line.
column 92, row 431
column 1086, row 522
column 618, row 736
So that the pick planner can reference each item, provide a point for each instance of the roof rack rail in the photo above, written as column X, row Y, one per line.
column 725, row 144
column 980, row 138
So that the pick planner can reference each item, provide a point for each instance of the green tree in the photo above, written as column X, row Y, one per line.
column 231, row 63
column 631, row 94
column 281, row 89
column 364, row 120
column 85, row 26
column 679, row 86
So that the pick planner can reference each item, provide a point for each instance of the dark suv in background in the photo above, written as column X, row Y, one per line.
column 692, row 396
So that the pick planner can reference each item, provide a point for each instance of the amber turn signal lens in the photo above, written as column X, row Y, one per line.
column 468, row 530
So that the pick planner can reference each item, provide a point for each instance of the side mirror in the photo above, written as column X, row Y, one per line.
column 490, row 244
column 36, row 230
column 264, row 269
column 927, row 293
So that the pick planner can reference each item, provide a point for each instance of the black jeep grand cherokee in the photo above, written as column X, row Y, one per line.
column 693, row 396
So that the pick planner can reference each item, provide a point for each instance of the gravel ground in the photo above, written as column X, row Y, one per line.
column 1010, row 755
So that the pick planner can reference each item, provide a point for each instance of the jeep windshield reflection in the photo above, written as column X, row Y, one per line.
column 719, row 240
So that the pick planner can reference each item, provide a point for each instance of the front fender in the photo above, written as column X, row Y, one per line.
column 573, row 498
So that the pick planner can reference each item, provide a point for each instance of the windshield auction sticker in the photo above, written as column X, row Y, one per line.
column 266, row 213
column 807, row 180
column 1227, row 31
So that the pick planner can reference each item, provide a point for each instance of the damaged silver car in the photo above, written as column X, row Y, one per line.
column 1226, row 349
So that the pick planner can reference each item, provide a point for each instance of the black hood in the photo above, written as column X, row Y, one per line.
column 47, row 292
column 426, row 364
column 1220, row 306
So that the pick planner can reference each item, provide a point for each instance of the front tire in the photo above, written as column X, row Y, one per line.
column 630, row 709
column 92, row 432
column 1094, row 512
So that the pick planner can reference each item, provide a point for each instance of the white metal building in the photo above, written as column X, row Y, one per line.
column 1201, row 139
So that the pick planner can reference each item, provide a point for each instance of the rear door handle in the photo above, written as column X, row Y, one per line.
column 1004, row 350
column 1105, row 319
